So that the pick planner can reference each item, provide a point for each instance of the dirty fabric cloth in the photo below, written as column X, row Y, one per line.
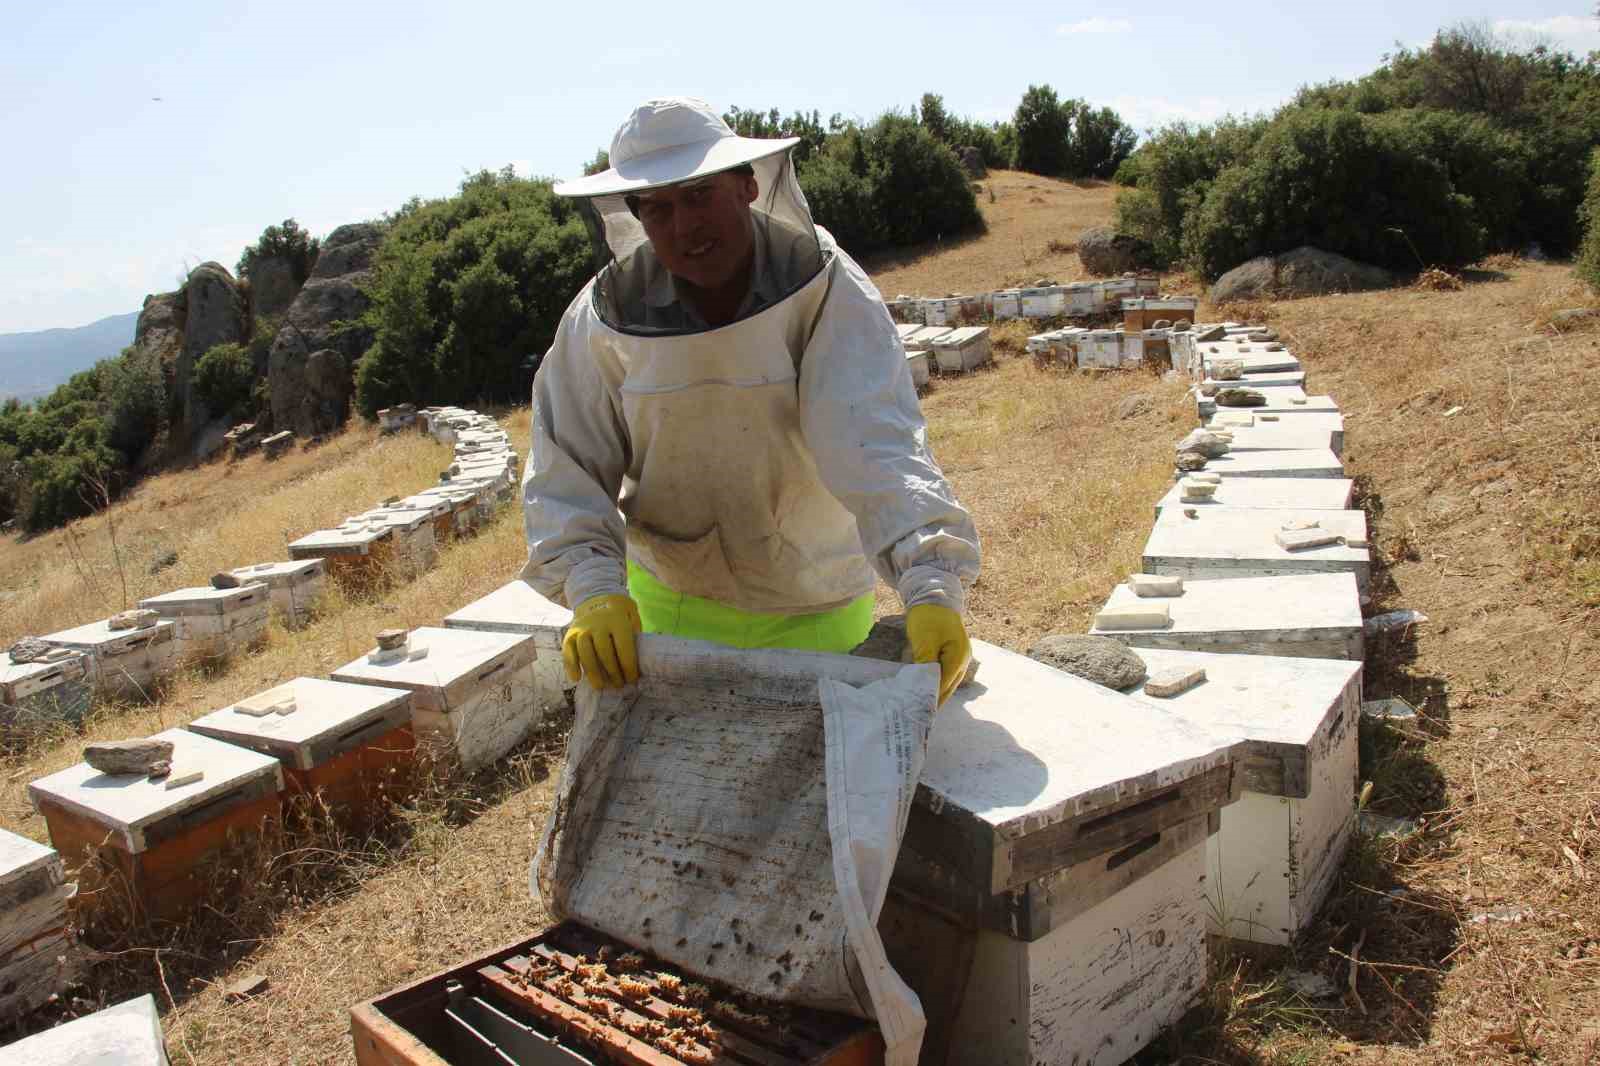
column 770, row 465
column 663, row 610
column 738, row 814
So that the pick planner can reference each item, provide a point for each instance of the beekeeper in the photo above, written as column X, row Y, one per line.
column 726, row 439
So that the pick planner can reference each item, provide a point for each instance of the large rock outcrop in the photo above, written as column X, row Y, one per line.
column 1103, row 251
column 215, row 313
column 273, row 287
column 322, row 321
column 1306, row 271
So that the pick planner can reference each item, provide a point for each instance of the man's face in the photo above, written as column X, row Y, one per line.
column 701, row 230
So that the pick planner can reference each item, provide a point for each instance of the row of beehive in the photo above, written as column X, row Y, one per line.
column 1043, row 300
column 1148, row 326
column 950, row 350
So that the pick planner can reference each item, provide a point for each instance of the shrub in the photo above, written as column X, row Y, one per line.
column 1044, row 132
column 284, row 241
column 223, row 377
column 1100, row 142
column 1174, row 169
column 133, row 394
column 1589, row 217
column 1340, row 181
column 465, row 288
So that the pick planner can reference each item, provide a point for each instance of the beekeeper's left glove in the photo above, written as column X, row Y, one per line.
column 600, row 642
column 937, row 635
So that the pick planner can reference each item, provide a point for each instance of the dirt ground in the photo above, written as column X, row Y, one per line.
column 1473, row 433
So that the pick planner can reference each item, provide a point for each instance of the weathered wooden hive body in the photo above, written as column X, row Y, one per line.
column 215, row 623
column 516, row 608
column 352, row 745
column 156, row 840
column 357, row 554
column 34, row 695
column 415, row 547
column 961, row 349
column 1059, row 829
column 294, row 587
column 38, row 956
column 474, row 692
column 124, row 663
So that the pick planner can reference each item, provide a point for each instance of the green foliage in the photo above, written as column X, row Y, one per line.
column 465, row 288
column 933, row 118
column 889, row 184
column 1044, row 132
column 601, row 161
column 223, row 378
column 997, row 141
column 1343, row 182
column 284, row 241
column 1100, row 142
column 769, row 124
column 1589, row 251
column 1174, row 170
column 133, row 396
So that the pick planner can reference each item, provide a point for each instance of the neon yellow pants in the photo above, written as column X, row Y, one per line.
column 664, row 611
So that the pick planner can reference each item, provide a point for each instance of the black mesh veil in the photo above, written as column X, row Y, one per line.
column 788, row 252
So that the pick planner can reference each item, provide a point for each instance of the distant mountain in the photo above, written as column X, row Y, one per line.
column 31, row 364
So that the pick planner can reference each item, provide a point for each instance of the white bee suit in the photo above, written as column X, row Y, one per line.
column 763, row 464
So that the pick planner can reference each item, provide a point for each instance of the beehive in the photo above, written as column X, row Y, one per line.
column 1315, row 616
column 1049, row 806
column 944, row 311
column 128, row 1034
column 1080, row 298
column 529, row 1003
column 33, row 695
column 1277, row 398
column 1043, row 301
column 123, row 663
column 214, row 623
column 1007, row 304
column 465, row 512
column 1235, row 542
column 920, row 340
column 351, row 744
column 157, row 840
column 1098, row 349
column 917, row 366
column 1279, row 848
column 1255, row 357
column 439, row 509
column 474, row 693
column 962, row 349
column 293, row 587
column 37, row 954
column 1140, row 313
column 1282, row 462
column 516, row 608
column 1268, row 493
column 357, row 554
column 1288, row 436
column 415, row 549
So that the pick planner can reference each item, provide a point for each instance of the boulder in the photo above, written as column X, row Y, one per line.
column 215, row 314
column 273, row 286
column 1191, row 461
column 1103, row 251
column 319, row 326
column 1572, row 318
column 972, row 162
column 1206, row 443
column 127, row 756
column 1133, row 406
column 160, row 325
column 1099, row 659
column 1306, row 271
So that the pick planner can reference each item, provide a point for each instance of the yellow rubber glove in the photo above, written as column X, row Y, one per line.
column 599, row 643
column 937, row 635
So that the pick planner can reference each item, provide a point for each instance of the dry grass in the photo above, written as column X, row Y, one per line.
column 1485, row 520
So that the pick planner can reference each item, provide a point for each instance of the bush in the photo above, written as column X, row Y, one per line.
column 1174, row 170
column 1100, row 142
column 133, row 394
column 1340, row 181
column 1589, row 217
column 889, row 185
column 464, row 289
column 284, row 241
column 1044, row 132
column 223, row 378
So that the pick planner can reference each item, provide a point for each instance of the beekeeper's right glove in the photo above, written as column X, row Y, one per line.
column 600, row 645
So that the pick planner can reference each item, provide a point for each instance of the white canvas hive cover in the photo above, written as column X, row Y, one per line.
column 1265, row 610
column 1027, row 746
column 128, row 803
column 514, row 608
column 324, row 712
column 128, row 1034
column 1312, row 493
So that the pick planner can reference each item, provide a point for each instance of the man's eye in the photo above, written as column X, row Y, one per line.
column 701, row 196
column 654, row 212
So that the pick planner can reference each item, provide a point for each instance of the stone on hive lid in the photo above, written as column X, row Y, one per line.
column 1133, row 616
column 224, row 580
column 127, row 756
column 1240, row 398
column 1147, row 585
column 1302, row 539
column 1190, row 461
column 1098, row 659
column 138, row 618
column 28, row 650
column 1173, row 681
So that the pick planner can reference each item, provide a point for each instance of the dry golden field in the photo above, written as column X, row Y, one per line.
column 1486, row 520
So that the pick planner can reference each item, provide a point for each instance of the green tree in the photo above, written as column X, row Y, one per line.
column 1589, row 217
column 1100, row 142
column 933, row 117
column 1044, row 132
column 601, row 161
column 283, row 241
column 224, row 377
column 133, row 394
column 770, row 124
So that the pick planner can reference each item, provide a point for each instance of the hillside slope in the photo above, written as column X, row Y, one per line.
column 31, row 364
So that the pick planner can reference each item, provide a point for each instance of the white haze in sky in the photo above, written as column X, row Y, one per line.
column 145, row 139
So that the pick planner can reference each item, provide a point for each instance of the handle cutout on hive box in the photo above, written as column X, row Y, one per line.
column 1132, row 851
column 496, row 668
column 1130, row 812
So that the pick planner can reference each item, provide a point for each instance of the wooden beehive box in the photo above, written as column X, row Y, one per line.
column 1236, row 542
column 962, row 349
column 124, row 663
column 214, row 623
column 1007, row 304
column 439, row 509
column 1278, row 435
column 37, row 953
column 921, row 340
column 352, row 744
column 157, row 839
column 1080, row 298
column 464, row 511
column 1046, row 805
column 1272, row 379
column 128, row 1034
column 1042, row 301
column 1140, row 313
column 474, row 692
column 1278, row 462
column 294, row 587
column 1279, row 848
column 37, row 693
column 524, row 1004
column 516, row 608
column 358, row 554
column 415, row 549
column 1316, row 616
column 1268, row 493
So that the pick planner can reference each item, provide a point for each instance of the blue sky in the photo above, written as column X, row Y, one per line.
column 334, row 112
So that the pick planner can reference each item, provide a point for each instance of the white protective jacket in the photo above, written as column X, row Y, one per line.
column 760, row 465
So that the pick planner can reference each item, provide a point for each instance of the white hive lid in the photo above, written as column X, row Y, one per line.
column 324, row 711
column 340, row 538
column 129, row 803
column 269, row 571
column 1278, row 493
column 514, row 603
column 95, row 635
column 128, row 1034
column 1242, row 533
column 20, row 856
column 1320, row 605
column 452, row 655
